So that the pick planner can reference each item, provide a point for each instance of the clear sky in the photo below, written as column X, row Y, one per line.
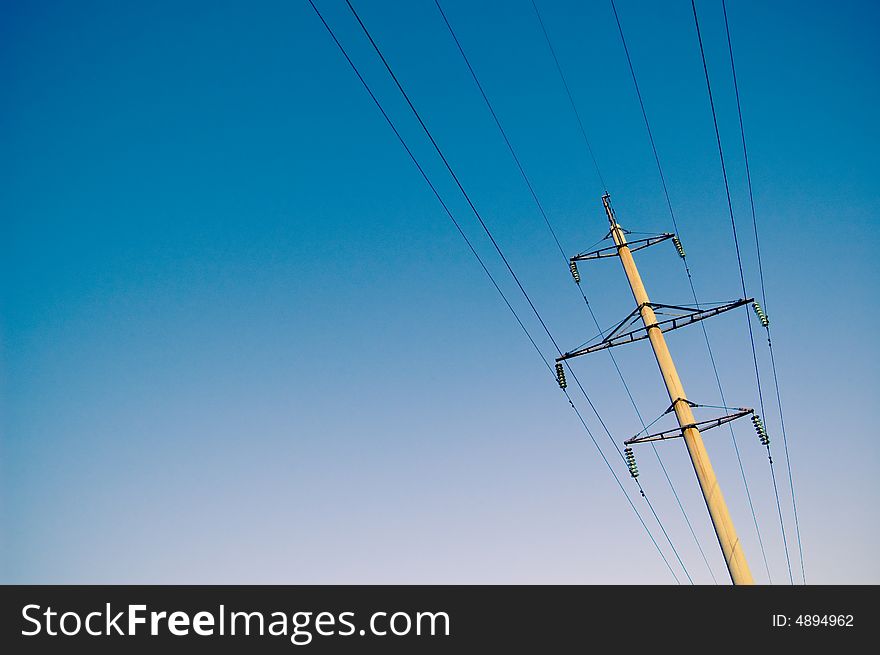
column 241, row 342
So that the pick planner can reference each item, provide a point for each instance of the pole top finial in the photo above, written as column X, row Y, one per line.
column 606, row 202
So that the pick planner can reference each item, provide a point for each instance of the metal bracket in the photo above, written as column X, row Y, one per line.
column 671, row 407
column 702, row 426
column 611, row 251
column 615, row 338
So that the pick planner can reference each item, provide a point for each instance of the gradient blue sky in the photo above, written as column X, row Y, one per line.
column 241, row 343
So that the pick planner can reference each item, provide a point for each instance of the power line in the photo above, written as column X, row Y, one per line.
column 510, row 148
column 434, row 190
column 513, row 274
column 570, row 97
column 451, row 172
column 547, row 222
column 691, row 284
column 632, row 71
column 639, row 484
column 626, row 495
column 491, row 278
column 763, row 291
column 741, row 275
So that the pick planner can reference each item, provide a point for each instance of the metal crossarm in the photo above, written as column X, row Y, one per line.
column 702, row 426
column 614, row 339
column 611, row 251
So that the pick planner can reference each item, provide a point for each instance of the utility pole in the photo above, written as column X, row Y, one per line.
column 723, row 524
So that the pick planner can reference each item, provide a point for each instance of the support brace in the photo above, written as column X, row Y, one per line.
column 702, row 426
column 618, row 339
column 611, row 251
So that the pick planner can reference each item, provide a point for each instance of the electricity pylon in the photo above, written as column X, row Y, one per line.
column 653, row 330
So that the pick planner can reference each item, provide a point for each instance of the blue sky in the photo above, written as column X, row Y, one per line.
column 242, row 343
